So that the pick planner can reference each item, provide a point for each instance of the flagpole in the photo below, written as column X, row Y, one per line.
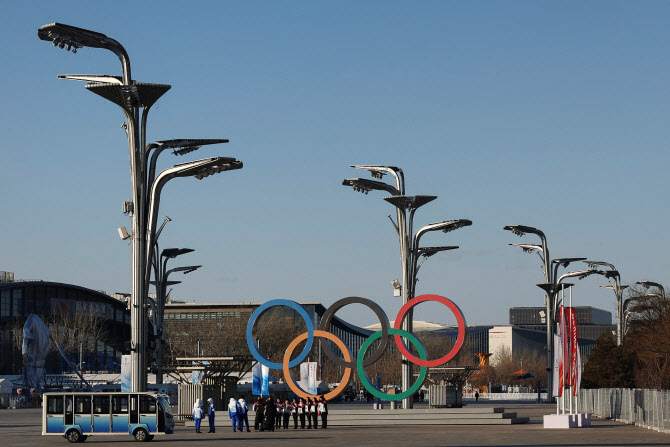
column 572, row 379
column 563, row 329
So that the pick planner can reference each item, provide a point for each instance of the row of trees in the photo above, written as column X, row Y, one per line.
column 643, row 359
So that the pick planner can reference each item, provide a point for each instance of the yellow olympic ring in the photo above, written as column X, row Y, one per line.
column 287, row 372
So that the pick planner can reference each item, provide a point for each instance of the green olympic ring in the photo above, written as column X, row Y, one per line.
column 364, row 378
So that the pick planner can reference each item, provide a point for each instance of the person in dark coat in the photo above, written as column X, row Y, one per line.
column 270, row 412
column 308, row 414
column 279, row 412
column 259, row 408
column 294, row 413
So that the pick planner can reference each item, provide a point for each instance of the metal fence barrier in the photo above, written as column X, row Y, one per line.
column 507, row 396
column 644, row 408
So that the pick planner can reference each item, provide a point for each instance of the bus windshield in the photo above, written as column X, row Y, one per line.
column 166, row 406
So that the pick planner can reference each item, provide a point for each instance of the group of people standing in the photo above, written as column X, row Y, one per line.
column 271, row 415
column 237, row 411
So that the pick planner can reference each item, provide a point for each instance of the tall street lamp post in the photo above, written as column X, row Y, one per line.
column 159, row 320
column 159, row 264
column 543, row 251
column 550, row 270
column 131, row 96
column 618, row 289
column 410, row 250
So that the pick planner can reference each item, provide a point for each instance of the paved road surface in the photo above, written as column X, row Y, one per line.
column 23, row 428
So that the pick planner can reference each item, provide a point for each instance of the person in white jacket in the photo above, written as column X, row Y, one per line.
column 234, row 412
column 197, row 414
column 244, row 416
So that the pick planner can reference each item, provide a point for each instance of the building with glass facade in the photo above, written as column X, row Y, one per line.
column 591, row 321
column 49, row 300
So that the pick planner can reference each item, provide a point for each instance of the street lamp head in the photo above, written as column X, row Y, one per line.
column 527, row 248
column 71, row 37
column 580, row 274
column 206, row 167
column 612, row 274
column 564, row 262
column 186, row 269
column 379, row 171
column 521, row 230
column 430, row 251
column 446, row 226
column 365, row 186
column 455, row 225
column 596, row 264
column 174, row 252
column 184, row 146
column 647, row 284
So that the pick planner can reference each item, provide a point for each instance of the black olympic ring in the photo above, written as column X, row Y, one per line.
column 325, row 323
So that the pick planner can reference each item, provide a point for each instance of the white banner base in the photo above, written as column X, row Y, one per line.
column 560, row 421
column 583, row 420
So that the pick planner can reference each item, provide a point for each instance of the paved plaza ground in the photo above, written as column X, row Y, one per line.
column 23, row 428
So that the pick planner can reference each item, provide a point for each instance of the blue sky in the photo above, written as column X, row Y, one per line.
column 552, row 115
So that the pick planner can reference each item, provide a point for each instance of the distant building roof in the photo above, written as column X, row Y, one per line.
column 424, row 326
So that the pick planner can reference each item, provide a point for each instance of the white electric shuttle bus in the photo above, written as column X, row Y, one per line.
column 77, row 415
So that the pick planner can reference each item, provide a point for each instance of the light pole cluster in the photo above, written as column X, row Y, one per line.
column 410, row 249
column 161, row 284
column 553, row 284
column 133, row 97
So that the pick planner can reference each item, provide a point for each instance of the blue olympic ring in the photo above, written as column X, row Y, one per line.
column 310, row 333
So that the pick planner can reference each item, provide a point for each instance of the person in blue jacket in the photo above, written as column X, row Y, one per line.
column 211, row 412
column 197, row 414
column 244, row 417
column 234, row 412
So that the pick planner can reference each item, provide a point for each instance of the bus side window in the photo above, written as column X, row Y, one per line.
column 147, row 404
column 55, row 405
column 82, row 404
column 120, row 404
column 101, row 404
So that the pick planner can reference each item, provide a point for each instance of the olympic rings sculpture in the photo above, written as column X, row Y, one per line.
column 361, row 361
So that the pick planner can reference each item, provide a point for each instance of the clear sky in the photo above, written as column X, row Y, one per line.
column 547, row 114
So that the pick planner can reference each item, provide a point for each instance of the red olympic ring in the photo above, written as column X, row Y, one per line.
column 461, row 330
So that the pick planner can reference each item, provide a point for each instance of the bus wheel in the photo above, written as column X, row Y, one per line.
column 73, row 435
column 141, row 435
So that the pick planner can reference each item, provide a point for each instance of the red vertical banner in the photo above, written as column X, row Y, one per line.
column 574, row 346
column 563, row 361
